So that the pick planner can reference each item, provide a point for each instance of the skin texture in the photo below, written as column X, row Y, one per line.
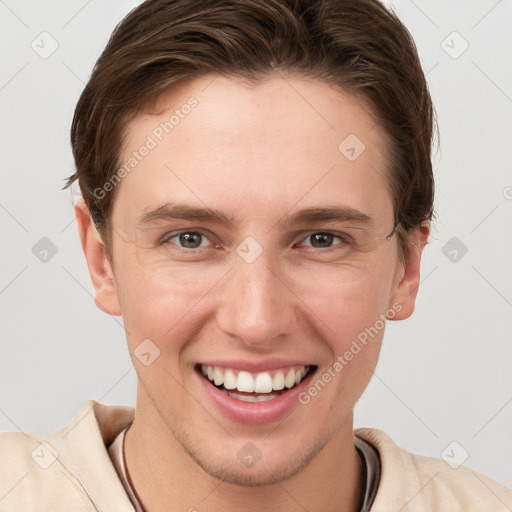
column 257, row 153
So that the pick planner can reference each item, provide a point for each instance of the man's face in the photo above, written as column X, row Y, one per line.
column 254, row 290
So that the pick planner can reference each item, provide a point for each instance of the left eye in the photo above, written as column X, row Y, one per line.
column 188, row 239
column 321, row 239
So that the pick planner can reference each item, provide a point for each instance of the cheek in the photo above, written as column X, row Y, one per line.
column 353, row 320
column 160, row 302
column 345, row 309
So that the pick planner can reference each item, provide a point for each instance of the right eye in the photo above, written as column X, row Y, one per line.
column 186, row 240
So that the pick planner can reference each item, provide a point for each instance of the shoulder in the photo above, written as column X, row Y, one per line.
column 67, row 470
column 31, row 472
column 415, row 482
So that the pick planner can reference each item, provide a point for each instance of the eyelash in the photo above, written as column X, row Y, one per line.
column 344, row 240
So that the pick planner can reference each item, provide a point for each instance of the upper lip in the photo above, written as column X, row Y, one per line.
column 255, row 366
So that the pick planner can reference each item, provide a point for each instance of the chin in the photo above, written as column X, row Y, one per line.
column 263, row 470
column 261, row 474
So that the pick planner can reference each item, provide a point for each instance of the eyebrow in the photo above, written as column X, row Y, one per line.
column 170, row 211
column 327, row 214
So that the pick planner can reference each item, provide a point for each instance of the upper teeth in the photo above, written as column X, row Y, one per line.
column 262, row 382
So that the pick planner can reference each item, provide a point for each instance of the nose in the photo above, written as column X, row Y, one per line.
column 257, row 305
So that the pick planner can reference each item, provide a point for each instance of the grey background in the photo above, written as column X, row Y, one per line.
column 444, row 374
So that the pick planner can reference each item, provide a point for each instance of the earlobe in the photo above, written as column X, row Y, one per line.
column 100, row 269
column 406, row 290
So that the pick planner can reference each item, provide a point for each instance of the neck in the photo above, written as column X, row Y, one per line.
column 162, row 473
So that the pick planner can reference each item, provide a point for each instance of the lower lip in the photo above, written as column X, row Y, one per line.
column 255, row 413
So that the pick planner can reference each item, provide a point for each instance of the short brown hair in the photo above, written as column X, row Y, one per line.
column 357, row 46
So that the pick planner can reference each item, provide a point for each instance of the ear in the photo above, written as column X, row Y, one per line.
column 100, row 269
column 407, row 279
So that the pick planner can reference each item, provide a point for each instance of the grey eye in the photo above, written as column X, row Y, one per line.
column 320, row 240
column 190, row 239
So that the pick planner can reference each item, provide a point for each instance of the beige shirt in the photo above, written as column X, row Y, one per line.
column 70, row 470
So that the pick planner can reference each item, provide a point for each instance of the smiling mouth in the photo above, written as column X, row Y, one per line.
column 255, row 387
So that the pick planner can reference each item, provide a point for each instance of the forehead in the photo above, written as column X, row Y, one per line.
column 255, row 149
